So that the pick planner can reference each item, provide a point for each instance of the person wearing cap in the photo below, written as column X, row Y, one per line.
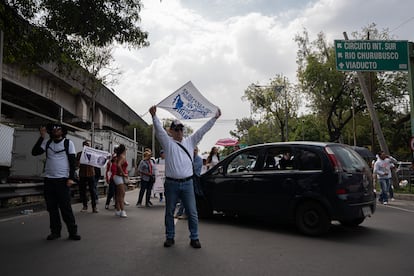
column 86, row 181
column 147, row 173
column 59, row 177
column 179, row 172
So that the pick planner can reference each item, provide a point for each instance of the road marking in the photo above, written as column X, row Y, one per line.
column 398, row 208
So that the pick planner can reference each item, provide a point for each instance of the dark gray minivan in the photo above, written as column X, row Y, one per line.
column 308, row 183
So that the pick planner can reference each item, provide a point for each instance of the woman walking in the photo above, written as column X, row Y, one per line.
column 120, row 179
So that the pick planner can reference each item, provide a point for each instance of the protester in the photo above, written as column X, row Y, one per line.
column 98, row 174
column 120, row 179
column 213, row 158
column 382, row 168
column 59, row 177
column 179, row 172
column 86, row 181
column 160, row 161
column 109, row 177
column 147, row 173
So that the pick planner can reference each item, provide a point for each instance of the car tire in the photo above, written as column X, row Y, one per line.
column 203, row 208
column 312, row 219
column 352, row 223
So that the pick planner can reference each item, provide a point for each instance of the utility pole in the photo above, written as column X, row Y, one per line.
column 371, row 110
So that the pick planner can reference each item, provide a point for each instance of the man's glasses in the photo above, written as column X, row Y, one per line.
column 178, row 129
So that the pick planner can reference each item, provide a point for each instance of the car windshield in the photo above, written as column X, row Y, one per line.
column 350, row 160
column 245, row 161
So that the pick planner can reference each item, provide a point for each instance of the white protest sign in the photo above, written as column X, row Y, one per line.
column 187, row 103
column 94, row 157
column 159, row 178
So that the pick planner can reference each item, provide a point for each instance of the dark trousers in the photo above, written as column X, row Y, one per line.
column 146, row 186
column 111, row 192
column 57, row 197
column 87, row 182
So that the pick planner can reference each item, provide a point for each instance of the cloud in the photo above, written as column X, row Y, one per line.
column 223, row 46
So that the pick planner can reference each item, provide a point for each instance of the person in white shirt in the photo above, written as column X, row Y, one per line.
column 179, row 172
column 382, row 168
column 213, row 158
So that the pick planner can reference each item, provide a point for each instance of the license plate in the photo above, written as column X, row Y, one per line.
column 366, row 211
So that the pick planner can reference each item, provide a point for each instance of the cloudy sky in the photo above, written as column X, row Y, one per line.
column 222, row 46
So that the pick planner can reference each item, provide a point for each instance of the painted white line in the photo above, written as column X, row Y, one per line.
column 398, row 208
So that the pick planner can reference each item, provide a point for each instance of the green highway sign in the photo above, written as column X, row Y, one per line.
column 371, row 55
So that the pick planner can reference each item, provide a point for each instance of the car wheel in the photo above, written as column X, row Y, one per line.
column 203, row 208
column 352, row 223
column 312, row 219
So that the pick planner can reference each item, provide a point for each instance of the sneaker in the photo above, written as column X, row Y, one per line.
column 106, row 206
column 118, row 213
column 95, row 210
column 123, row 214
column 53, row 236
column 392, row 199
column 195, row 243
column 385, row 203
column 169, row 242
column 126, row 203
column 74, row 237
column 84, row 209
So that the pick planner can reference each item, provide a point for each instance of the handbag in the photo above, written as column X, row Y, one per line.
column 196, row 179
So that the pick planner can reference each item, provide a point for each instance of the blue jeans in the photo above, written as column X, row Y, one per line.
column 385, row 187
column 175, row 190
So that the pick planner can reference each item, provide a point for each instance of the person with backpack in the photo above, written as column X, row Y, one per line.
column 59, row 177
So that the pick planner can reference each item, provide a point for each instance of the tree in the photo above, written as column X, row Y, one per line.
column 41, row 31
column 334, row 95
column 274, row 103
column 331, row 92
column 242, row 129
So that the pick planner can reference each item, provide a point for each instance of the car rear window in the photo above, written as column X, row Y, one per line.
column 349, row 160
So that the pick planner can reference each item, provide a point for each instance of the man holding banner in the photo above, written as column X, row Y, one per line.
column 179, row 155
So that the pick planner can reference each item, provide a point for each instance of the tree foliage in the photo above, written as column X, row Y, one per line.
column 273, row 103
column 334, row 94
column 39, row 31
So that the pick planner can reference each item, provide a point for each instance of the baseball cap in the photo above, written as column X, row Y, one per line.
column 176, row 124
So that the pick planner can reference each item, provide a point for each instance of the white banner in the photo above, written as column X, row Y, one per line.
column 158, row 186
column 94, row 157
column 187, row 103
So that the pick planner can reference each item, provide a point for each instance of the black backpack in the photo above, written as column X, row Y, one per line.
column 65, row 144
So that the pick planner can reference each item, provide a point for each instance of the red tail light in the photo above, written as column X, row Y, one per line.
column 341, row 192
column 334, row 161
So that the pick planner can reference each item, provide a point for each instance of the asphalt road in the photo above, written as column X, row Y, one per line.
column 383, row 245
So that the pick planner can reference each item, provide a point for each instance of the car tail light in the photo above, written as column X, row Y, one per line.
column 341, row 192
column 334, row 161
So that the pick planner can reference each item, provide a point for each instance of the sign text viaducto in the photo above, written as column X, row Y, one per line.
column 371, row 55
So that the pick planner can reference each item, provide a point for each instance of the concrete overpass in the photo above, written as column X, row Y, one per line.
column 30, row 98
